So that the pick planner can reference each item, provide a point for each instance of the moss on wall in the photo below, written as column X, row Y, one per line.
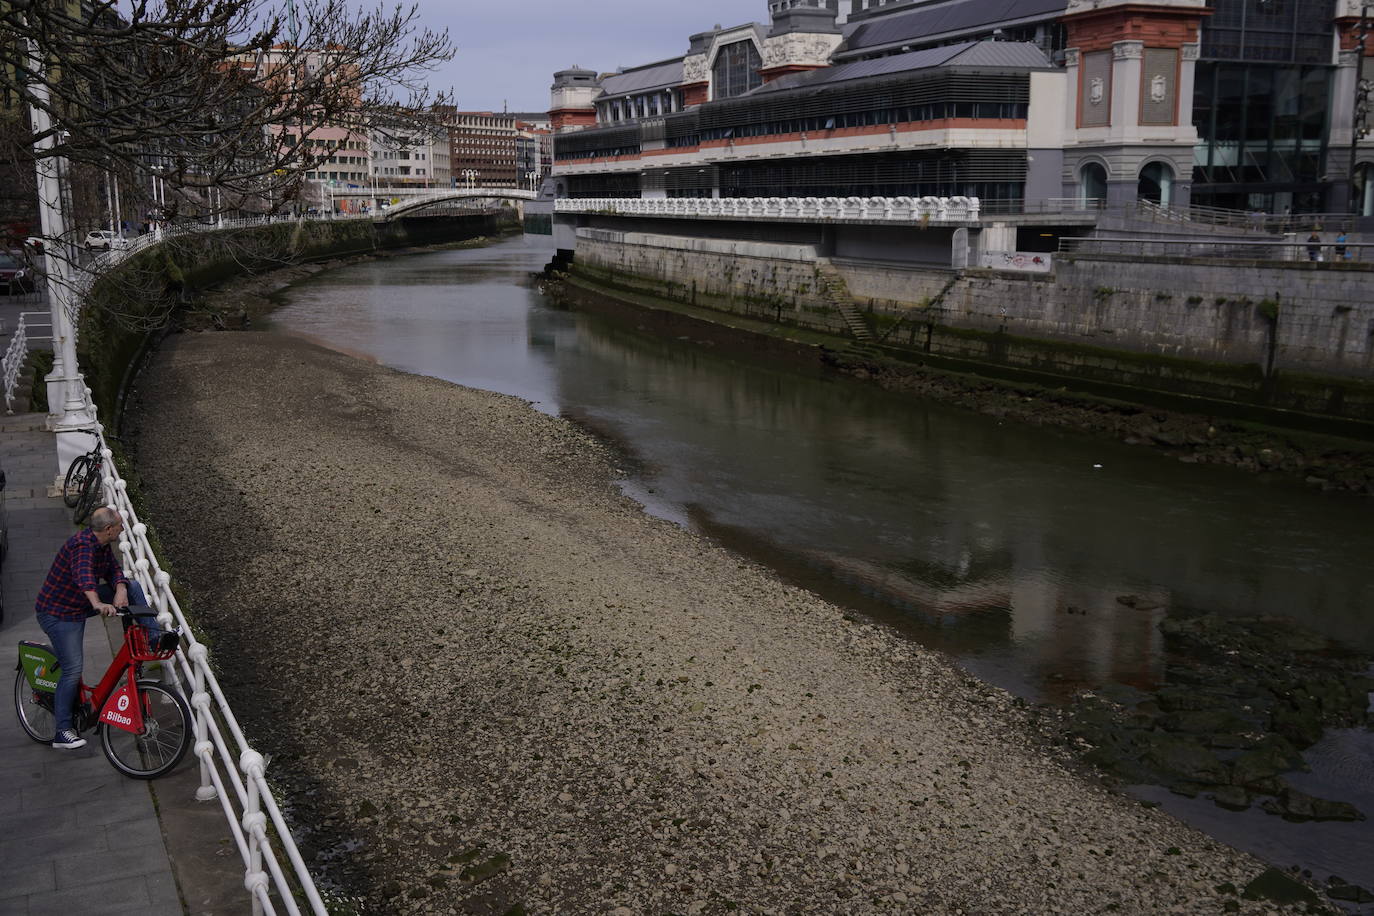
column 140, row 296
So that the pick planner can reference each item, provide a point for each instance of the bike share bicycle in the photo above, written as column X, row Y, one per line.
column 145, row 728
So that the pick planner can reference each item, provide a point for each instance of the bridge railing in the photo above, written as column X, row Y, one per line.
column 231, row 771
column 921, row 210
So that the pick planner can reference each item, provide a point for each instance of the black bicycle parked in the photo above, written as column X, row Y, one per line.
column 82, row 489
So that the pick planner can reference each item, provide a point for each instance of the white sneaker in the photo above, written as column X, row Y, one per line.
column 68, row 739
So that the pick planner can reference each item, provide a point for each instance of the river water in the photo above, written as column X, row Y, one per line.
column 1006, row 546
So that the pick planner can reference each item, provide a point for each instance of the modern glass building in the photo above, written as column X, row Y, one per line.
column 1262, row 104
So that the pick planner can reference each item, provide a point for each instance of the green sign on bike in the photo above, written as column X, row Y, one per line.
column 40, row 666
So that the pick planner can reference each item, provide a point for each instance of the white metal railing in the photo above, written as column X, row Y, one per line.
column 15, row 354
column 230, row 769
column 1249, row 220
column 884, row 209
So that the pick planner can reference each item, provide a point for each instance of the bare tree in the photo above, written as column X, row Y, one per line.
column 213, row 101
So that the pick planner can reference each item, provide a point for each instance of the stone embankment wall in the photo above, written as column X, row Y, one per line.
column 1295, row 337
column 767, row 280
column 140, row 295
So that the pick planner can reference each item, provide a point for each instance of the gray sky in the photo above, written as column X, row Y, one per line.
column 508, row 50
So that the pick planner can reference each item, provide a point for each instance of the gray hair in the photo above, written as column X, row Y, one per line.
column 103, row 518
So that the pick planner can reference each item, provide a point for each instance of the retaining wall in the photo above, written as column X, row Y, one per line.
column 1294, row 337
column 139, row 296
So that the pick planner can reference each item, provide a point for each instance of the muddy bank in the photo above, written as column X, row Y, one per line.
column 490, row 684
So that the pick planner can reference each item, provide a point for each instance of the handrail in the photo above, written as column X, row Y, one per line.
column 919, row 210
column 15, row 355
column 221, row 747
column 1256, row 220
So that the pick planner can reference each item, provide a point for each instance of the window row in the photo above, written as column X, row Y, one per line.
column 933, row 111
column 598, row 153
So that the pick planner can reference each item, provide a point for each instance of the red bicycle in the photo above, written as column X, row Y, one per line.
column 144, row 727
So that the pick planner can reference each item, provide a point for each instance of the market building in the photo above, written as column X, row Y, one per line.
column 1025, row 104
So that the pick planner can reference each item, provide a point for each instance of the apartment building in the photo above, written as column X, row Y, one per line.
column 485, row 149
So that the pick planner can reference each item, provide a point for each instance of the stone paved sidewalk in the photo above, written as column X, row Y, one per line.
column 76, row 837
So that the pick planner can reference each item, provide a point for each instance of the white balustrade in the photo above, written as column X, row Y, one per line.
column 881, row 209
column 15, row 354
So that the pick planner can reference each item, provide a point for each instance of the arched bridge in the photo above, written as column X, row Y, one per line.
column 409, row 200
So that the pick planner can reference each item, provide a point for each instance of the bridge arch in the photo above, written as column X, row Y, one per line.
column 429, row 198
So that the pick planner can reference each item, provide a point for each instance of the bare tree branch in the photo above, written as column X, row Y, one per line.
column 205, row 94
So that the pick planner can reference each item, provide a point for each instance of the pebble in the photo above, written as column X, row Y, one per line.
column 566, row 647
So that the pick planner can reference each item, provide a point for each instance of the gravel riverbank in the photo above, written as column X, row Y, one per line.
column 490, row 684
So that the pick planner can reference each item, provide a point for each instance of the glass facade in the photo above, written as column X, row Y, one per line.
column 736, row 70
column 1280, row 31
column 1262, row 136
column 1261, row 105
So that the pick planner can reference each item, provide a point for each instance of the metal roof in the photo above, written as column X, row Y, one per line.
column 974, row 54
column 934, row 20
column 643, row 79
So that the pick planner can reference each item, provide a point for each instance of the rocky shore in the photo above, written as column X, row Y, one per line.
column 490, row 684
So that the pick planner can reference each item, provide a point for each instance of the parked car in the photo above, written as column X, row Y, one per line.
column 104, row 239
column 16, row 274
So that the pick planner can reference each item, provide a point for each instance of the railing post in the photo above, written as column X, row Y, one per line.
column 200, row 703
column 254, row 822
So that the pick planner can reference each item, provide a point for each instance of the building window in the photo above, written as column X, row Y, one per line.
column 736, row 70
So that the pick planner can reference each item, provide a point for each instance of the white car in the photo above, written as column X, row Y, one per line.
column 104, row 239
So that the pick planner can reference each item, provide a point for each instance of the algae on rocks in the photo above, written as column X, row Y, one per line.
column 1242, row 699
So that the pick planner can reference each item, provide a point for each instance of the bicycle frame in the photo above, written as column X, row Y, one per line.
column 118, row 705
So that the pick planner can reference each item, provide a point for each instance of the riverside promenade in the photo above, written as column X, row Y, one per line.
column 76, row 837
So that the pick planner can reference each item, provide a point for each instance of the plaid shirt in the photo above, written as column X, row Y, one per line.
column 78, row 568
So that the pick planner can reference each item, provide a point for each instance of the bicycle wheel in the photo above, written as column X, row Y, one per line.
column 90, row 496
column 166, row 735
column 35, row 710
column 76, row 477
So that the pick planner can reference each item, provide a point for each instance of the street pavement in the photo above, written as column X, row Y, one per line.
column 76, row 837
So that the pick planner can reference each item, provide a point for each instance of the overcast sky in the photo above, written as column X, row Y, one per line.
column 508, row 50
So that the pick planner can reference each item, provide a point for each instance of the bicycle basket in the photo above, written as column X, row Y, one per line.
column 144, row 650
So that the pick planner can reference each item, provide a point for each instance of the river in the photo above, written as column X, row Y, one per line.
column 1004, row 545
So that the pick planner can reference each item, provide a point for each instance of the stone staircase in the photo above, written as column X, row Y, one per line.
column 835, row 292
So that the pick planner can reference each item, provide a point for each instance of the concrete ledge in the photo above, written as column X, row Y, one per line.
column 728, row 247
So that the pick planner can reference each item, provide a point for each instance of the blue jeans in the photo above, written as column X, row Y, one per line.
column 67, row 638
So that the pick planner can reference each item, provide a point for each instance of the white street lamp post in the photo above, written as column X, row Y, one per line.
column 65, row 385
column 159, row 201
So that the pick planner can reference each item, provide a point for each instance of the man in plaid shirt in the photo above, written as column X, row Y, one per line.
column 71, row 593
